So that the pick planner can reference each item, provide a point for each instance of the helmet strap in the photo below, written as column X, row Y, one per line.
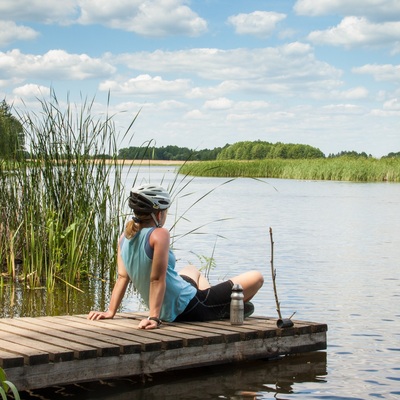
column 158, row 225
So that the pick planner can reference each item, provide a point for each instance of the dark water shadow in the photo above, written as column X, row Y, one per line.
column 246, row 380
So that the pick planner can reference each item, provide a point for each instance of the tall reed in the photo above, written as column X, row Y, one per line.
column 340, row 169
column 60, row 210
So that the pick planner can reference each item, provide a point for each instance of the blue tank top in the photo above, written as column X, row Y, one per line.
column 137, row 256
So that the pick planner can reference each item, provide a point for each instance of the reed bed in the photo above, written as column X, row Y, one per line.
column 338, row 169
column 60, row 210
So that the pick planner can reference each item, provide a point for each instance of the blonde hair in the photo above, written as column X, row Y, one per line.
column 133, row 226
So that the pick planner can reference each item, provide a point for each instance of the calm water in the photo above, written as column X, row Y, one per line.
column 337, row 253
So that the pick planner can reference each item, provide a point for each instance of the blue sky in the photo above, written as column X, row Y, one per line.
column 207, row 73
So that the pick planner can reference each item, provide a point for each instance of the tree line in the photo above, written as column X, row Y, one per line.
column 12, row 146
column 245, row 150
column 12, row 140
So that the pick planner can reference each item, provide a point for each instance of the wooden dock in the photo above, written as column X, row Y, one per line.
column 48, row 351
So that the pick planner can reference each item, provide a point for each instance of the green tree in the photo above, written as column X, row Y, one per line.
column 392, row 155
column 11, row 134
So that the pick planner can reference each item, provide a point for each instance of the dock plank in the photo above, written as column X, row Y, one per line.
column 115, row 348
column 9, row 359
column 104, row 348
column 127, row 329
column 26, row 338
column 31, row 356
column 57, row 337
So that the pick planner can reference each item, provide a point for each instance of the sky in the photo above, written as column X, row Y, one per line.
column 206, row 73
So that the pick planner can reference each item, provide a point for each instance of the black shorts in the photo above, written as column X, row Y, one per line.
column 208, row 304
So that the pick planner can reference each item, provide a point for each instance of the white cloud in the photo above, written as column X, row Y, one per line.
column 154, row 18
column 31, row 91
column 392, row 104
column 47, row 11
column 358, row 31
column 387, row 72
column 55, row 64
column 145, row 85
column 10, row 32
column 268, row 69
column 258, row 23
column 379, row 9
column 353, row 93
column 195, row 114
column 218, row 104
column 343, row 109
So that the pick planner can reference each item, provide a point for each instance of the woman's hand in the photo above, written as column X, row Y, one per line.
column 148, row 324
column 95, row 315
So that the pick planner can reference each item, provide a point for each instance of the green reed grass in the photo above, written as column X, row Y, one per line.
column 338, row 169
column 7, row 386
column 60, row 210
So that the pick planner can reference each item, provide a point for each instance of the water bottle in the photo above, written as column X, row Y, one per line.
column 237, row 305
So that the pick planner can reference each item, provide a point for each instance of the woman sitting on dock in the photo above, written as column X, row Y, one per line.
column 145, row 257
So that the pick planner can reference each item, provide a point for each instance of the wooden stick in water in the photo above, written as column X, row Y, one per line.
column 273, row 271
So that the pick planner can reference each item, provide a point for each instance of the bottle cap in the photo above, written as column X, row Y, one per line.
column 237, row 287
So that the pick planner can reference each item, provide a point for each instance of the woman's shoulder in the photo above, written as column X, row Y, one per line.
column 159, row 234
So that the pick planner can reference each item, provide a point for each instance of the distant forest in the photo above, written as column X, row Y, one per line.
column 246, row 150
column 12, row 147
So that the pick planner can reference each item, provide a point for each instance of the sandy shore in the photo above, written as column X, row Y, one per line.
column 148, row 162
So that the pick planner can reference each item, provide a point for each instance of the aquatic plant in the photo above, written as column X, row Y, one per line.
column 338, row 168
column 60, row 209
column 6, row 386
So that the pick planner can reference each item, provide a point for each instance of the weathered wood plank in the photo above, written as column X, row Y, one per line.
column 120, row 349
column 105, row 327
column 25, row 338
column 152, row 362
column 10, row 359
column 104, row 349
column 31, row 356
column 57, row 337
column 169, row 338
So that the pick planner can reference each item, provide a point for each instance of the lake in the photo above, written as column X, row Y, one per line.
column 337, row 256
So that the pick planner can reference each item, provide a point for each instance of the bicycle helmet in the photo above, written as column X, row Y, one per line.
column 148, row 198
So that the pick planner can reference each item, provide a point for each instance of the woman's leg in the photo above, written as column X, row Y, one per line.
column 192, row 272
column 250, row 281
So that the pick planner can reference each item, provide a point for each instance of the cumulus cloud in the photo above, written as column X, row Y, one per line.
column 258, row 23
column 47, row 11
column 358, row 31
column 195, row 114
column 153, row 18
column 145, row 85
column 386, row 72
column 260, row 69
column 55, row 64
column 374, row 9
column 392, row 104
column 343, row 109
column 11, row 32
column 218, row 104
column 31, row 91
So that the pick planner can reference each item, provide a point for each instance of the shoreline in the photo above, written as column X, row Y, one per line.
column 147, row 162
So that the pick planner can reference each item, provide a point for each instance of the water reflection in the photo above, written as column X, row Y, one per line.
column 251, row 380
column 18, row 300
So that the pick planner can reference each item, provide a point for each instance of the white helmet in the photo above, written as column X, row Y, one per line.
column 149, row 198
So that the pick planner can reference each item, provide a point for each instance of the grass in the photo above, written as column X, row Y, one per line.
column 60, row 210
column 7, row 386
column 338, row 169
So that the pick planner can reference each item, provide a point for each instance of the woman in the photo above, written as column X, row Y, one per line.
column 145, row 257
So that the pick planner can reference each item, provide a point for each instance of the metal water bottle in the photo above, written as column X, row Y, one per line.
column 237, row 305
